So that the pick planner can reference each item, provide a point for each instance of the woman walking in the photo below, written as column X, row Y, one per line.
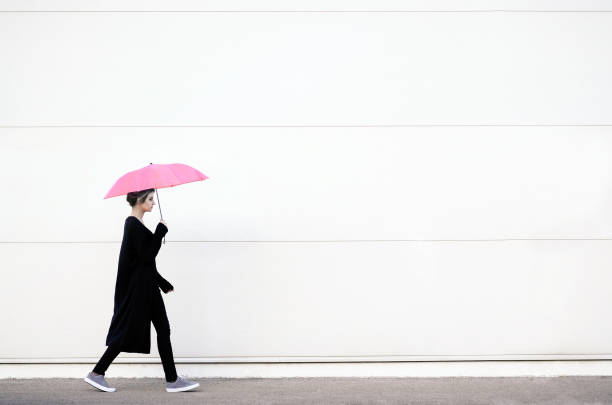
column 138, row 301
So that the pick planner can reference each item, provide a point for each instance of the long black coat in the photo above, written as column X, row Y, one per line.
column 137, row 281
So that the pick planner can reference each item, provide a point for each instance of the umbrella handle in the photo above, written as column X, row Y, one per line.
column 160, row 212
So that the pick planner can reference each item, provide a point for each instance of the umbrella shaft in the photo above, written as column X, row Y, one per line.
column 158, row 203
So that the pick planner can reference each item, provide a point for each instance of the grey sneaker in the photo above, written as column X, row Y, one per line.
column 99, row 382
column 181, row 385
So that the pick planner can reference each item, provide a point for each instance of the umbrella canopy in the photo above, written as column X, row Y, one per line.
column 155, row 176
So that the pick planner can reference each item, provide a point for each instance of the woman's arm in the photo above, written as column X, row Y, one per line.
column 146, row 249
column 163, row 283
column 159, row 233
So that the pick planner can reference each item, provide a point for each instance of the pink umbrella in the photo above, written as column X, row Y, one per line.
column 155, row 176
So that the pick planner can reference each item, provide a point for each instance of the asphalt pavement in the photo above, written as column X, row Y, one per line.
column 325, row 390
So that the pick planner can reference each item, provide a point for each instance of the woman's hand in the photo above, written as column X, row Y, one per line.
column 163, row 222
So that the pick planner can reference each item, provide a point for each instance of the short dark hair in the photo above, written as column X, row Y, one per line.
column 138, row 196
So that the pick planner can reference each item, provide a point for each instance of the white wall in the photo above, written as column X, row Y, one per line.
column 425, row 184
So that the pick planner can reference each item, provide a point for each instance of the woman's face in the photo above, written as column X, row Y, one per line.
column 147, row 205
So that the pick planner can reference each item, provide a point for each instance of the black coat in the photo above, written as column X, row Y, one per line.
column 137, row 281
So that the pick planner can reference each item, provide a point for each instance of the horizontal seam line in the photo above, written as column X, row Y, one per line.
column 331, row 355
column 308, row 11
column 329, row 241
column 306, row 126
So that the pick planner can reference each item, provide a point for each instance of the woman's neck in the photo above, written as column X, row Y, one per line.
column 138, row 215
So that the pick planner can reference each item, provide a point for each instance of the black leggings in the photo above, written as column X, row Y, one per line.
column 162, row 327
